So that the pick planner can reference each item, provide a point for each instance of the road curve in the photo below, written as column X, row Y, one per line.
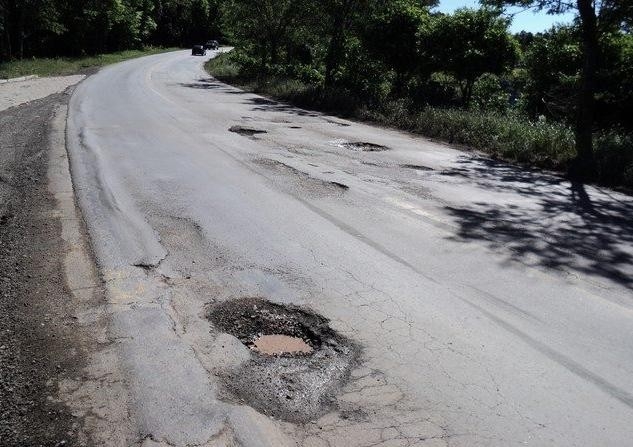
column 493, row 304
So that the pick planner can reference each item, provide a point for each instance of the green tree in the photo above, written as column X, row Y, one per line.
column 24, row 22
column 594, row 18
column 339, row 17
column 468, row 44
column 392, row 36
column 552, row 63
column 263, row 26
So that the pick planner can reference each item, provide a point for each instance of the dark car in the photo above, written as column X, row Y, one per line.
column 198, row 50
column 212, row 45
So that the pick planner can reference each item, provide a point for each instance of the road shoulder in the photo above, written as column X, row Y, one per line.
column 60, row 383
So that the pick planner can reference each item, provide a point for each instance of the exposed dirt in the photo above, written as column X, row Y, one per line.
column 40, row 339
column 246, row 131
column 296, row 387
column 279, row 344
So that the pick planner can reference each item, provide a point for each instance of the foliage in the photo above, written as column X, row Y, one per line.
column 460, row 77
column 64, row 66
column 48, row 28
column 468, row 44
column 552, row 64
column 490, row 94
column 392, row 37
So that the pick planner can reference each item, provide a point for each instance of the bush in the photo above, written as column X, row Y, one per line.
column 224, row 66
column 614, row 159
column 509, row 137
column 489, row 95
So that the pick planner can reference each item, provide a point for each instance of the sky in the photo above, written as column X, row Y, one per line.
column 523, row 21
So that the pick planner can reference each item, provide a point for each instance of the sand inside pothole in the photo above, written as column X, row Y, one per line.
column 278, row 344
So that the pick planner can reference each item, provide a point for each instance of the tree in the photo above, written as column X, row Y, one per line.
column 392, row 36
column 552, row 63
column 594, row 18
column 468, row 44
column 21, row 21
column 339, row 18
column 263, row 25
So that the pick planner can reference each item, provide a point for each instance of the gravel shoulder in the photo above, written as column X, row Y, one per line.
column 15, row 93
column 53, row 327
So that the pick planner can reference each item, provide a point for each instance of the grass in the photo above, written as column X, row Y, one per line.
column 65, row 66
column 509, row 137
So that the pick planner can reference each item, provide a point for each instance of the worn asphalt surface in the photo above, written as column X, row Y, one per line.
column 492, row 305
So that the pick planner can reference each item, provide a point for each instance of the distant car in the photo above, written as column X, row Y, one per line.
column 198, row 50
column 211, row 45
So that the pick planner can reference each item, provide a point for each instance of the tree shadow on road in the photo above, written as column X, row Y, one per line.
column 268, row 105
column 562, row 225
column 212, row 84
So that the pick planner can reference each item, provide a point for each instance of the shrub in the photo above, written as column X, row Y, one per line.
column 614, row 158
column 489, row 94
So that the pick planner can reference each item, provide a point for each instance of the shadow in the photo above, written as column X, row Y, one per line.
column 268, row 105
column 212, row 84
column 559, row 224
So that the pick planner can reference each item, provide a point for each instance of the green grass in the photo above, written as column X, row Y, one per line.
column 509, row 137
column 65, row 66
column 512, row 138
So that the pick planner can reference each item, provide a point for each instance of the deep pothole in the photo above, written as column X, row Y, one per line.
column 297, row 363
column 246, row 131
column 361, row 146
column 417, row 167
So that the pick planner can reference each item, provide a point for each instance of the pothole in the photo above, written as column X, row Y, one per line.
column 246, row 131
column 360, row 146
column 303, row 181
column 417, row 167
column 298, row 363
column 338, row 123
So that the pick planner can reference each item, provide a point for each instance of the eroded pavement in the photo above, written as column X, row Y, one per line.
column 482, row 304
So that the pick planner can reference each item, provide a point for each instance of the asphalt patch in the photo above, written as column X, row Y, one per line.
column 246, row 131
column 296, row 386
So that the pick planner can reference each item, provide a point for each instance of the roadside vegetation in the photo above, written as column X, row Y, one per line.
column 60, row 66
column 562, row 99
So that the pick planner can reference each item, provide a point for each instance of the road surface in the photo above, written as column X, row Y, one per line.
column 492, row 304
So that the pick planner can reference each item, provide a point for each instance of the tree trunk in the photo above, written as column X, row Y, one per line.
column 466, row 88
column 583, row 167
column 332, row 59
column 335, row 48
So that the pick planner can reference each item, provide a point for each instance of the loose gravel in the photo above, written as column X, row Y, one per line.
column 15, row 93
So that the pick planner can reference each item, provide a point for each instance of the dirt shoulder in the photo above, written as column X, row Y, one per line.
column 48, row 337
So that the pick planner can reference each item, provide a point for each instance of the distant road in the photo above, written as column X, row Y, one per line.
column 494, row 305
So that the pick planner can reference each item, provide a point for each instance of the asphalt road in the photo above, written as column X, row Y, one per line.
column 493, row 304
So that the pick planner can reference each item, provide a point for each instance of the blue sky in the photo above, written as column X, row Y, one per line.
column 525, row 20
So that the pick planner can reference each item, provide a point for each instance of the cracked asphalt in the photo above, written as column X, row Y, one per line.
column 492, row 304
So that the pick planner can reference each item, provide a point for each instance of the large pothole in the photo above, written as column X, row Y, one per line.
column 360, row 146
column 298, row 362
column 246, row 131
